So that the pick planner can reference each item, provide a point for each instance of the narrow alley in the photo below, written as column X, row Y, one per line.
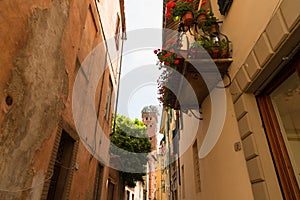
column 150, row 100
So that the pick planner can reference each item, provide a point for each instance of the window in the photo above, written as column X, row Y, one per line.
column 98, row 182
column 224, row 6
column 58, row 188
column 111, row 190
column 280, row 110
column 108, row 100
column 183, row 184
column 196, row 167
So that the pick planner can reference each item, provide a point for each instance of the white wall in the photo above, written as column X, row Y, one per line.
column 223, row 171
column 243, row 25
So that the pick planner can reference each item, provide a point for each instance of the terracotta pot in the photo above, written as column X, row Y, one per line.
column 201, row 19
column 215, row 52
column 214, row 28
column 224, row 53
column 188, row 18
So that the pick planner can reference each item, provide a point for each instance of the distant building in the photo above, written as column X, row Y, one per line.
column 149, row 117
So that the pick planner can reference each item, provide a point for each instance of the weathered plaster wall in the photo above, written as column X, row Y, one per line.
column 37, row 85
column 109, row 10
column 44, row 43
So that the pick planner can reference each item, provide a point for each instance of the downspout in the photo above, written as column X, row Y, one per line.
column 177, row 143
column 123, row 38
column 169, row 152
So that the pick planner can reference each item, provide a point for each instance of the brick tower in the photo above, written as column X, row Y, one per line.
column 149, row 117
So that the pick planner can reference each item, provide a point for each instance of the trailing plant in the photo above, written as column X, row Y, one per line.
column 168, row 56
column 176, row 9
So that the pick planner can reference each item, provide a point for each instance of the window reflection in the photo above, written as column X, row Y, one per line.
column 286, row 101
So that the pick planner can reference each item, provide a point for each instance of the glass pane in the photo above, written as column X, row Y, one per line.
column 286, row 101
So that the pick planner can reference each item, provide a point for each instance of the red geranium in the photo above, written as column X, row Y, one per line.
column 170, row 5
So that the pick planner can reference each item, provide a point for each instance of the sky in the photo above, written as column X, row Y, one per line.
column 138, row 86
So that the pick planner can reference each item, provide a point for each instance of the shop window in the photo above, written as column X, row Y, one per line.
column 280, row 109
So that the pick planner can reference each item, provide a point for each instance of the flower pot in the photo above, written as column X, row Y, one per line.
column 201, row 19
column 224, row 53
column 215, row 52
column 188, row 18
column 214, row 28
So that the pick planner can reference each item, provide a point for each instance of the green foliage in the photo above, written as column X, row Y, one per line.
column 130, row 137
column 151, row 108
column 181, row 8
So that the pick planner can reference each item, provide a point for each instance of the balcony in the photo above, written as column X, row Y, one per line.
column 194, row 66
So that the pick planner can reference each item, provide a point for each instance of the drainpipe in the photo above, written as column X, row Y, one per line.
column 169, row 152
column 123, row 38
column 177, row 143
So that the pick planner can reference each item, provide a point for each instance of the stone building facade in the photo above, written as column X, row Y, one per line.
column 45, row 44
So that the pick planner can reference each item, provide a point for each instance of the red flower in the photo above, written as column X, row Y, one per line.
column 203, row 3
column 167, row 63
column 155, row 51
column 171, row 4
column 176, row 62
column 168, row 15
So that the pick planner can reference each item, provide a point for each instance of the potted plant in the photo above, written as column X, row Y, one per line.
column 212, row 23
column 198, row 49
column 183, row 9
column 224, row 47
column 202, row 13
column 205, row 42
column 168, row 58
